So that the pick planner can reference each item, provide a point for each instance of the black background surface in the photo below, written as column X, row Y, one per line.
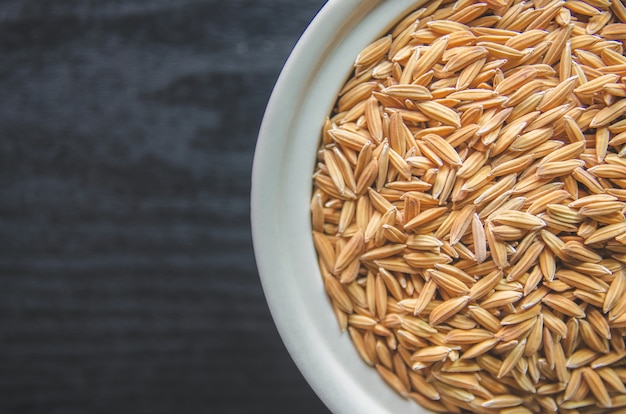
column 127, row 277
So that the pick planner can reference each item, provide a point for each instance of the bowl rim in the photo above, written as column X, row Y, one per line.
column 284, row 158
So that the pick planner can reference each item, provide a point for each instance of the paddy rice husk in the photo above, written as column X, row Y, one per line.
column 468, row 206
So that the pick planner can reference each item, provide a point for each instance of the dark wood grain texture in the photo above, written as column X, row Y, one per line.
column 127, row 276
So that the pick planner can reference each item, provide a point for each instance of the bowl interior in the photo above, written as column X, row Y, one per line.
column 281, row 189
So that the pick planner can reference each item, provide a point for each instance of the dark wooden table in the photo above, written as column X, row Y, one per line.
column 127, row 277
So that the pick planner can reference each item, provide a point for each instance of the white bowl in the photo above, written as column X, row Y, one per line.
column 281, row 190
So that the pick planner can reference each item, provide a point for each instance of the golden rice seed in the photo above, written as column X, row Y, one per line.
column 527, row 39
column 514, row 165
column 588, row 180
column 412, row 92
column 443, row 149
column 440, row 113
column 581, row 392
column 608, row 114
column 479, row 238
column 425, row 296
column 596, row 386
column 614, row 31
column 373, row 52
column 563, row 305
column 517, row 331
column 337, row 292
column 516, row 80
column 501, row 203
column 618, row 311
column 485, row 285
column 367, row 177
column 383, row 354
column 382, row 252
column 424, row 242
column 554, row 323
column 615, row 89
column 615, row 291
column 564, row 214
column 427, row 403
column 461, row 60
column 393, row 234
column 512, row 359
column 469, row 75
column 474, row 162
column 496, row 248
column 508, row 233
column 598, row 270
column 447, row 309
column 471, row 336
column 547, row 264
column 534, row 340
column 401, row 370
column 431, row 56
column 425, row 388
column 549, row 353
column 500, row 187
column 479, row 179
column 608, row 359
column 591, row 199
column 559, row 286
column 531, row 139
column 340, row 315
column 391, row 282
column 571, row 341
column 580, row 281
column 558, row 168
column 425, row 216
column 501, row 298
column 373, row 119
column 532, row 281
column 573, row 384
column 392, row 380
column 469, row 12
column 351, row 272
column 572, row 129
column 461, row 223
column 484, row 318
column 590, row 338
column 523, row 93
column 528, row 259
column 606, row 233
column 431, row 354
column 610, row 171
column 558, row 95
column 518, row 219
column 370, row 291
column 463, row 134
column 361, row 321
column 479, row 349
column 460, row 366
column 503, row 401
column 381, row 298
column 515, row 318
column 423, row 260
column 618, row 139
column 562, row 372
column 496, row 121
column 372, row 226
column 579, row 251
column 448, row 283
column 359, row 344
column 611, row 378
